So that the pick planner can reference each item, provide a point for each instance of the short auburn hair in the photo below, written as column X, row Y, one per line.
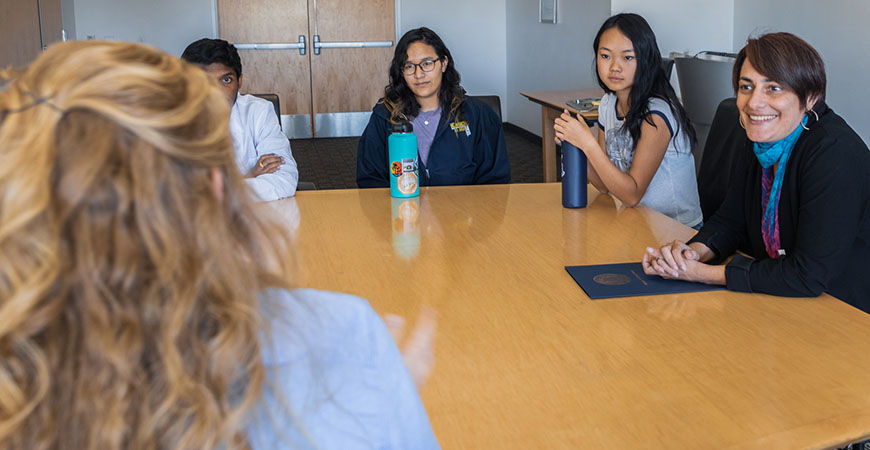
column 787, row 59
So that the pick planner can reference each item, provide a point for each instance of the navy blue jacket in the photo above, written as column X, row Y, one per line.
column 454, row 158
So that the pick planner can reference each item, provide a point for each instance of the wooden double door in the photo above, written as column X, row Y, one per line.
column 327, row 60
column 26, row 28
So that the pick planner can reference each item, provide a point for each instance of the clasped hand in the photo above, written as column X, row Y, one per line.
column 674, row 260
column 574, row 130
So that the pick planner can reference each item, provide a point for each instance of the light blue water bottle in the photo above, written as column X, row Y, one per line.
column 404, row 172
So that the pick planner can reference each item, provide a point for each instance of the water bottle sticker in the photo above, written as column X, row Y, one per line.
column 396, row 168
column 409, row 165
column 407, row 183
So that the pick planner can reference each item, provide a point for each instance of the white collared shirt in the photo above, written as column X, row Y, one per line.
column 255, row 131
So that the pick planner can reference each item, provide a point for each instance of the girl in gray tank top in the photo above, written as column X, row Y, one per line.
column 643, row 153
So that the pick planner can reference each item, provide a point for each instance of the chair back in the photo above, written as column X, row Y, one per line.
column 724, row 144
column 275, row 103
column 668, row 65
column 306, row 186
column 493, row 101
column 705, row 80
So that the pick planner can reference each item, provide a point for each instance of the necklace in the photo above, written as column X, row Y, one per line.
column 426, row 116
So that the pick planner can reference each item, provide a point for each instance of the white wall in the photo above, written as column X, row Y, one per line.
column 474, row 31
column 549, row 56
column 500, row 48
column 167, row 24
column 837, row 29
column 68, row 16
column 686, row 26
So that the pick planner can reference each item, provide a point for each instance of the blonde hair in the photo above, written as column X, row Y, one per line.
column 129, row 315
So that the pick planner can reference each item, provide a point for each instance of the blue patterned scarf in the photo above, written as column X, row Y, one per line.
column 768, row 154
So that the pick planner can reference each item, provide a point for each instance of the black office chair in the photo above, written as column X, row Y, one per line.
column 705, row 80
column 306, row 186
column 724, row 143
column 275, row 102
column 493, row 101
column 302, row 185
column 668, row 65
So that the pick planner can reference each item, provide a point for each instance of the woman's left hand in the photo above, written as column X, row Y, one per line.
column 654, row 264
column 678, row 261
column 575, row 131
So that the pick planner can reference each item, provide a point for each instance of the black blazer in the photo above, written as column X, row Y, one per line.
column 824, row 218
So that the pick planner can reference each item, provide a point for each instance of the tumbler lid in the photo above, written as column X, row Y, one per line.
column 402, row 127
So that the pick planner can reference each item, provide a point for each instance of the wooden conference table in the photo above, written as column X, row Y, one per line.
column 525, row 360
column 553, row 103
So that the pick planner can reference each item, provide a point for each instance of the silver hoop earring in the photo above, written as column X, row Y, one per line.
column 740, row 120
column 808, row 114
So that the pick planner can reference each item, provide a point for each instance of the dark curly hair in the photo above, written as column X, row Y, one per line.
column 650, row 79
column 398, row 97
column 207, row 51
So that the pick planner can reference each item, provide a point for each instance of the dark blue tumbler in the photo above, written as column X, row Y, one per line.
column 573, row 176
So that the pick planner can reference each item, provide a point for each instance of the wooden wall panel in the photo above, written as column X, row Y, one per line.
column 19, row 33
column 262, row 20
column 349, row 80
column 52, row 21
column 283, row 72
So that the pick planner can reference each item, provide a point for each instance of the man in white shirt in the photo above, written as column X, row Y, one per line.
column 262, row 151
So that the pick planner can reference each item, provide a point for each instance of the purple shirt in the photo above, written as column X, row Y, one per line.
column 425, row 125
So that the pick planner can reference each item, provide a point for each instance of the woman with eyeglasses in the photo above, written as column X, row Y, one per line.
column 459, row 139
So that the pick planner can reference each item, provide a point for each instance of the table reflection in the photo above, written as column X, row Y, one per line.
column 406, row 230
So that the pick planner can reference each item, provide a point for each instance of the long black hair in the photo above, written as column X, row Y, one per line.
column 650, row 79
column 398, row 97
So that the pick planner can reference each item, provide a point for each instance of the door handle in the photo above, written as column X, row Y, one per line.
column 318, row 44
column 275, row 46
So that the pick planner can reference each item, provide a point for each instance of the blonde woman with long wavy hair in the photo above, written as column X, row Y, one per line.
column 139, row 289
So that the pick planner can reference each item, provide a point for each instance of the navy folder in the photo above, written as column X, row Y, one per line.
column 628, row 280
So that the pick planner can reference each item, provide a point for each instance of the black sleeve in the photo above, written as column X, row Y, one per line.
column 490, row 150
column 371, row 157
column 827, row 225
column 725, row 231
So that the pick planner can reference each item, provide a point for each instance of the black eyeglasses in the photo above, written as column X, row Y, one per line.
column 427, row 65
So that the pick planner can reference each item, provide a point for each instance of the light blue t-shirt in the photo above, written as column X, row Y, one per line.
column 673, row 191
column 339, row 382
